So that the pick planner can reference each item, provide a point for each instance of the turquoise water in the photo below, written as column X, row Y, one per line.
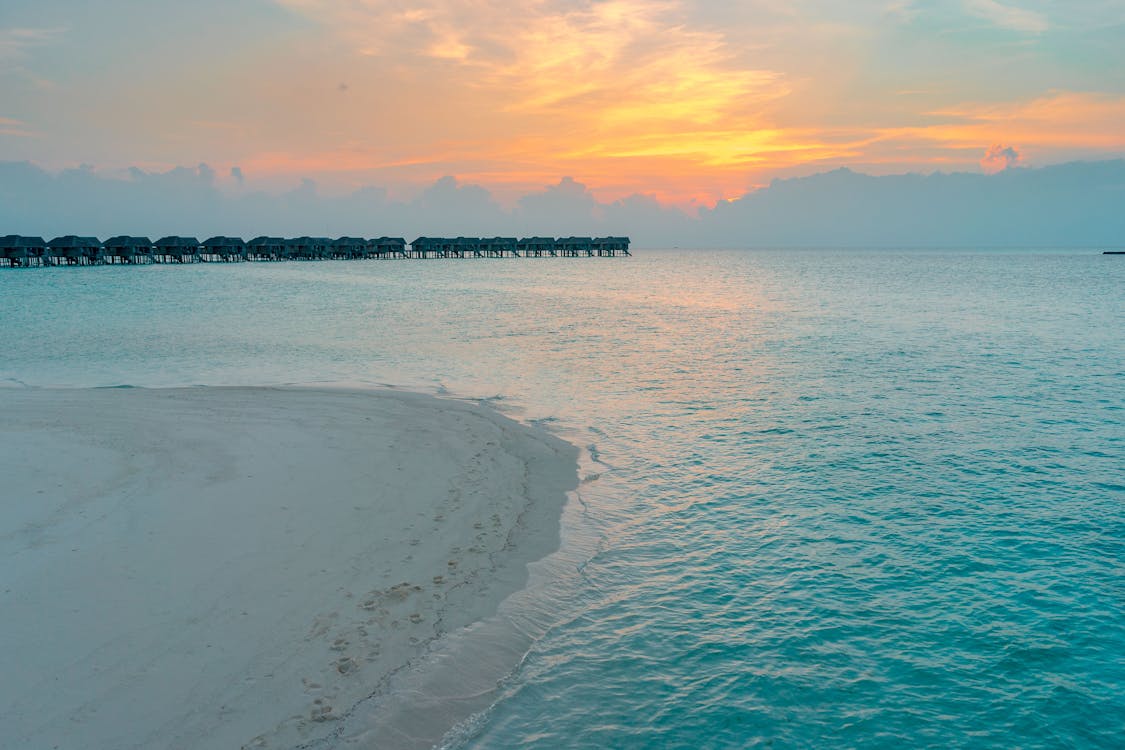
column 832, row 498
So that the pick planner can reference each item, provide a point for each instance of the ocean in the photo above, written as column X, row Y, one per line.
column 829, row 498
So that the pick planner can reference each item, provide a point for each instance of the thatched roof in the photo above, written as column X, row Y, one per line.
column 73, row 242
column 126, row 241
column 266, row 242
column 176, row 242
column 217, row 242
column 19, row 241
column 351, row 242
column 537, row 240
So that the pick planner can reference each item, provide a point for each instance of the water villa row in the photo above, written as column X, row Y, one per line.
column 20, row 251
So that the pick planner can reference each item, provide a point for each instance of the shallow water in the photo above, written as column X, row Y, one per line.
column 834, row 498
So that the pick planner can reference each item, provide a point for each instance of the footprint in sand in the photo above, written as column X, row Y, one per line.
column 321, row 625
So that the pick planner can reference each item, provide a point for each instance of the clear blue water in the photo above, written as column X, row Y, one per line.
column 832, row 498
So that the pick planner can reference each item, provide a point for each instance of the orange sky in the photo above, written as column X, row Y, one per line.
column 680, row 100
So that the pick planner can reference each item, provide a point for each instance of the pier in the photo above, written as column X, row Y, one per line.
column 17, row 251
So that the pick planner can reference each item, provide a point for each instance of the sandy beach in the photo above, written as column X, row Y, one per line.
column 244, row 567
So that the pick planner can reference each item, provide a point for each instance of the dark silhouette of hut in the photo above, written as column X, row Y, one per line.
column 224, row 249
column 609, row 247
column 465, row 247
column 293, row 247
column 427, row 247
column 265, row 248
column 387, row 247
column 74, row 251
column 574, row 247
column 536, row 247
column 174, row 249
column 349, row 248
column 18, row 250
column 309, row 248
column 125, row 249
column 499, row 247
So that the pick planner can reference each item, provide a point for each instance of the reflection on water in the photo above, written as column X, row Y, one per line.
column 843, row 498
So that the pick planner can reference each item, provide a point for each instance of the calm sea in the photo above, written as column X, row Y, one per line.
column 830, row 499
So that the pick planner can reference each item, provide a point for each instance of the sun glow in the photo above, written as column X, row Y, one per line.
column 632, row 96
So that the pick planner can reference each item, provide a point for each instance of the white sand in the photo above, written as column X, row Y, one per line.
column 228, row 567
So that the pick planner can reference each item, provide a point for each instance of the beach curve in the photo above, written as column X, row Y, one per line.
column 227, row 567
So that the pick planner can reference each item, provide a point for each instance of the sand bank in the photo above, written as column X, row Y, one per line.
column 228, row 567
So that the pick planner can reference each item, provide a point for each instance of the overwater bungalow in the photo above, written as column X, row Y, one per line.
column 426, row 247
column 294, row 246
column 309, row 248
column 126, row 249
column 465, row 247
column 349, row 248
column 18, row 250
column 575, row 247
column 387, row 247
column 223, row 249
column 175, row 249
column 499, row 247
column 265, row 248
column 537, row 247
column 72, row 250
column 610, row 247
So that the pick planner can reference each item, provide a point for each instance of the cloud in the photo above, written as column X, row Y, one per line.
column 1074, row 124
column 837, row 208
column 998, row 158
column 15, row 42
column 623, row 60
column 189, row 201
column 551, row 87
column 1008, row 17
column 16, row 128
column 684, row 101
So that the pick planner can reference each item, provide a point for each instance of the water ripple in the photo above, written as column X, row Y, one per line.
column 843, row 499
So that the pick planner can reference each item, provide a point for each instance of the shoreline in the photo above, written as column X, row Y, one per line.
column 231, row 566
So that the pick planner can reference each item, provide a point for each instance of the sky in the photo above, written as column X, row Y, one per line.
column 686, row 103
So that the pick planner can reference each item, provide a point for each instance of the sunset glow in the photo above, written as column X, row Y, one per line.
column 675, row 99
